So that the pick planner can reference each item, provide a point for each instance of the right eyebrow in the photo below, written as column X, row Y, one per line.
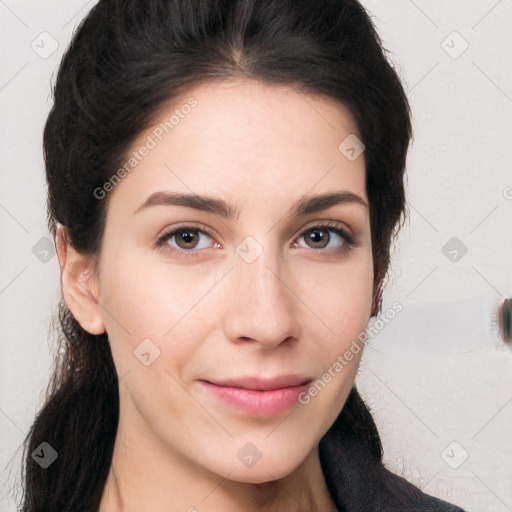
column 195, row 201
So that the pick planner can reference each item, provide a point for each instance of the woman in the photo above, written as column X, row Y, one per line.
column 224, row 180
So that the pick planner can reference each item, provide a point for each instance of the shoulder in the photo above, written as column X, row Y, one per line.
column 400, row 494
column 359, row 482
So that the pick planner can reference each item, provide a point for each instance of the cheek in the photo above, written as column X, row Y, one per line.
column 340, row 296
column 341, row 302
column 153, row 300
column 151, row 295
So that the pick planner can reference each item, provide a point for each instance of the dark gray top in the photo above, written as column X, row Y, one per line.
column 359, row 482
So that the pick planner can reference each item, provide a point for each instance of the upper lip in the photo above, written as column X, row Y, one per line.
column 259, row 384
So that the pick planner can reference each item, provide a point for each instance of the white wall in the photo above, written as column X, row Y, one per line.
column 437, row 377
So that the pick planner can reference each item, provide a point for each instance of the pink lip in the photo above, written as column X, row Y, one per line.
column 262, row 397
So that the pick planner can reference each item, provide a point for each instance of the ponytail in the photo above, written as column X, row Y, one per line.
column 78, row 420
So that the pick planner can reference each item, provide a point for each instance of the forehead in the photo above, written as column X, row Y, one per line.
column 245, row 140
column 248, row 110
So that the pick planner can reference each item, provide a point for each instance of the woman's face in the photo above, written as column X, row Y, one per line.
column 248, row 290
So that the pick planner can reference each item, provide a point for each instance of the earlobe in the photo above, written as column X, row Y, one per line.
column 79, row 284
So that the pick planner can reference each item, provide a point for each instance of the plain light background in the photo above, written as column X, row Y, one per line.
column 438, row 377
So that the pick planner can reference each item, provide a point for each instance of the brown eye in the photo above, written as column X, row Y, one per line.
column 319, row 237
column 185, row 241
column 186, row 238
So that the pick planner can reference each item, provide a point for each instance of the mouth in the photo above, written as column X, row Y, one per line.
column 257, row 396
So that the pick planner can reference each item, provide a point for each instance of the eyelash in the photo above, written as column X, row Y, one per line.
column 161, row 242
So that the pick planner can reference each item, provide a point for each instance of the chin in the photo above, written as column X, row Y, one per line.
column 276, row 465
column 264, row 474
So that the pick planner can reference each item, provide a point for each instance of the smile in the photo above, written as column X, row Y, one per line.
column 260, row 397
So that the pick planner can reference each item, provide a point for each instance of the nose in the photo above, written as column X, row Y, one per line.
column 262, row 307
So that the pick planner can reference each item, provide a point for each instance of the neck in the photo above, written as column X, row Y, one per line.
column 144, row 475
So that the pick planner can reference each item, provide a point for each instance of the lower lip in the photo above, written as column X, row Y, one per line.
column 261, row 403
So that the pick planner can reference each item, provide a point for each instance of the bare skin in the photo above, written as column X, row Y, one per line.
column 293, row 309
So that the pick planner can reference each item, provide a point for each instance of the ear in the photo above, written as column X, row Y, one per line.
column 79, row 284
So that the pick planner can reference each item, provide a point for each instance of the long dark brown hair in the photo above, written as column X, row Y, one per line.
column 126, row 59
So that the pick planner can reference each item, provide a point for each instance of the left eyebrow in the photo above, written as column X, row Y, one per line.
column 318, row 203
column 306, row 205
